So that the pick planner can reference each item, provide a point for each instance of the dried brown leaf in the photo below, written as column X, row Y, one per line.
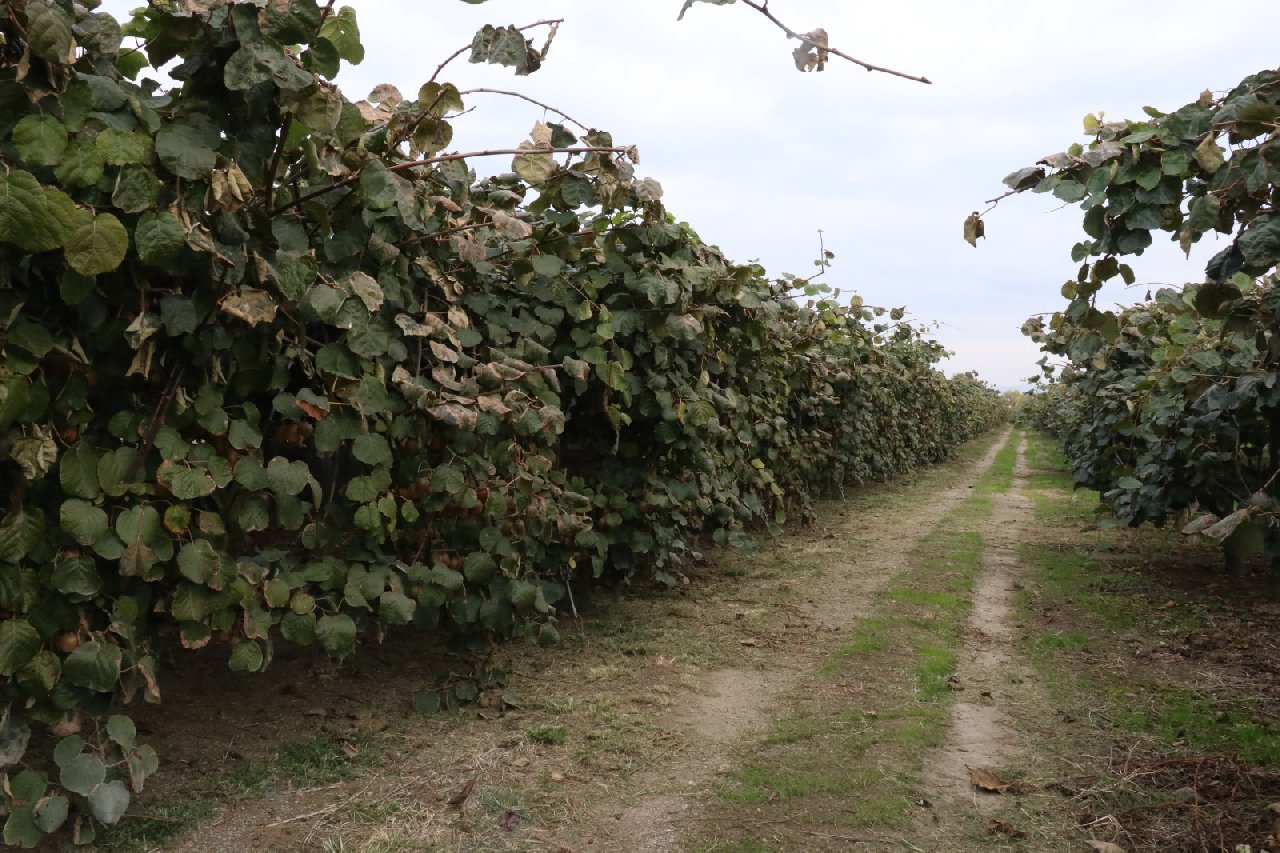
column 985, row 780
column 458, row 799
column 974, row 228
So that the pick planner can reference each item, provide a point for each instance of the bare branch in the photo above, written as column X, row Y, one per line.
column 550, row 22
column 546, row 107
column 763, row 9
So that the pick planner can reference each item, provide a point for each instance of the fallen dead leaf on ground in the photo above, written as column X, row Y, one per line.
column 985, row 780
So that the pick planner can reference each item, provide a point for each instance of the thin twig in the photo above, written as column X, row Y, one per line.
column 157, row 421
column 547, row 107
column 550, row 22
column 763, row 9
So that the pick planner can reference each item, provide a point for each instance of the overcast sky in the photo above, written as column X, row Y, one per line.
column 758, row 157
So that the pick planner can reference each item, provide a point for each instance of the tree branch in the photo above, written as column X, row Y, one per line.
column 547, row 107
column 763, row 9
column 550, row 22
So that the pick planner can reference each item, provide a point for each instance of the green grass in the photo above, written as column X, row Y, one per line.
column 935, row 665
column 1070, row 641
column 547, row 735
column 1186, row 718
column 1114, row 609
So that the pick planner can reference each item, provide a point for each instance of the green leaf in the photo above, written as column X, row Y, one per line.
column 15, row 732
column 122, row 730
column 81, row 165
column 29, row 786
column 85, row 522
column 395, row 608
column 19, row 643
column 40, row 140
column 548, row 265
column 49, row 34
column 83, row 773
column 535, row 168
column 337, row 634
column 78, row 471
column 20, row 533
column 76, row 576
column 499, row 46
column 250, row 474
column 299, row 628
column 1204, row 213
column 15, row 394
column 246, row 656
column 291, row 23
column 67, row 749
column 479, row 568
column 33, row 217
column 109, row 801
column 1129, row 483
column 188, row 483
column 138, row 524
column 380, row 187
column 137, row 189
column 428, row 701
column 261, row 62
column 1260, row 244
column 51, row 813
column 372, row 449
column 20, row 829
column 160, row 239
column 200, row 562
column 187, row 146
column 120, row 147
column 340, row 30
column 97, row 246
column 288, row 477
column 94, row 665
column 137, row 560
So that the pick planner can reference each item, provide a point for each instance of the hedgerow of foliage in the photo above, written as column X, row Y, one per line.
column 275, row 368
column 1173, row 403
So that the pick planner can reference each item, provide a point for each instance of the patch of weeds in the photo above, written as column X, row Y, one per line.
column 561, row 705
column 999, row 477
column 796, row 729
column 1058, row 641
column 766, row 783
column 604, row 672
column 375, row 811
column 927, row 598
column 1183, row 717
column 547, row 735
column 936, row 663
column 322, row 760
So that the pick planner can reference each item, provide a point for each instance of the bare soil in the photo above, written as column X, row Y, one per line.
column 990, row 676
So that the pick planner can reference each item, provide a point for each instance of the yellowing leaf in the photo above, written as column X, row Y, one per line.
column 250, row 305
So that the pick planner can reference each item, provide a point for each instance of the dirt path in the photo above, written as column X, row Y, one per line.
column 989, row 676
column 614, row 745
column 861, row 555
